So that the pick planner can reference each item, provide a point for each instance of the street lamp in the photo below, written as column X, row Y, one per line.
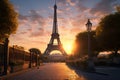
column 6, row 55
column 38, row 60
column 89, row 25
column 90, row 59
column 30, row 63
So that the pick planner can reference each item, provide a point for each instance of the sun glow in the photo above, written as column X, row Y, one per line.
column 68, row 47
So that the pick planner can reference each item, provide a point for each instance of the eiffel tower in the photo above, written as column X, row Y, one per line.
column 55, row 36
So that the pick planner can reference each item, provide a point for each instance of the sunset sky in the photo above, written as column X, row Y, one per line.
column 36, row 20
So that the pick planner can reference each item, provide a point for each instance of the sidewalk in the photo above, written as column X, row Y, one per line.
column 102, row 73
column 16, row 73
column 60, row 71
column 113, row 72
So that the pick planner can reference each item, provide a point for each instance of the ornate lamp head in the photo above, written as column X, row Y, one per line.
column 89, row 25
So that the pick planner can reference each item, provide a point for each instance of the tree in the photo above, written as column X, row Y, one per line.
column 35, row 50
column 108, row 32
column 81, row 44
column 118, row 8
column 8, row 19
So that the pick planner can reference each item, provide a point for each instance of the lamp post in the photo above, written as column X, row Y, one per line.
column 90, row 59
column 30, row 63
column 6, row 55
column 13, row 53
column 38, row 60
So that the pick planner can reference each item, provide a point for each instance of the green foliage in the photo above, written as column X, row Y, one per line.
column 81, row 64
column 35, row 50
column 108, row 32
column 12, row 63
column 81, row 44
column 118, row 8
column 8, row 19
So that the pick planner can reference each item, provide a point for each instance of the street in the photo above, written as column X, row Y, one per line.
column 60, row 71
column 49, row 71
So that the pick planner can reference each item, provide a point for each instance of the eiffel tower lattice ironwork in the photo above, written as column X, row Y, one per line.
column 55, row 36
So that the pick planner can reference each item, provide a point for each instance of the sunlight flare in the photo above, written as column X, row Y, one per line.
column 68, row 47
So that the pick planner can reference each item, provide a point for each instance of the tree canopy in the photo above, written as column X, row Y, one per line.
column 81, row 44
column 8, row 19
column 108, row 32
column 35, row 50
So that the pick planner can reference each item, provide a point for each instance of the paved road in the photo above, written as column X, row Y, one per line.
column 49, row 71
column 60, row 71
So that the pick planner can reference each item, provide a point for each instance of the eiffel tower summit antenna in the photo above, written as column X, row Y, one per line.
column 55, row 36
